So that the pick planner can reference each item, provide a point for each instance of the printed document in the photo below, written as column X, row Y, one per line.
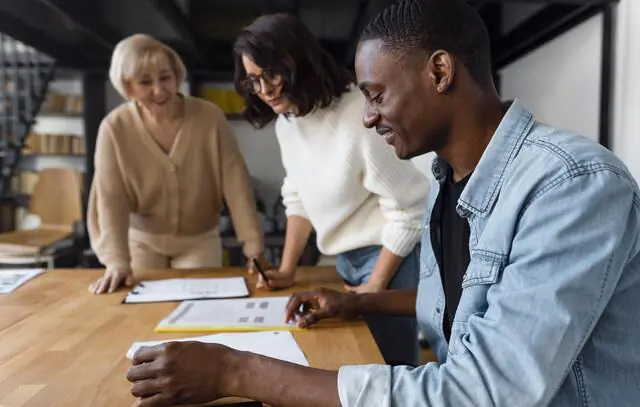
column 11, row 279
column 277, row 345
column 245, row 314
column 180, row 289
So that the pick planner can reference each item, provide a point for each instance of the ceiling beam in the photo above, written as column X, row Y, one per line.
column 179, row 22
column 539, row 29
column 546, row 2
column 86, row 17
column 19, row 30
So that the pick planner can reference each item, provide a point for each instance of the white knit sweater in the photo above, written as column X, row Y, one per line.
column 348, row 182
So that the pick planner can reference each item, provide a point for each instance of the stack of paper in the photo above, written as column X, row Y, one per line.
column 11, row 279
column 180, row 289
column 277, row 345
column 247, row 314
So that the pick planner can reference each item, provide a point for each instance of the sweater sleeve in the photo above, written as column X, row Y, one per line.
column 290, row 199
column 238, row 191
column 109, row 205
column 402, row 191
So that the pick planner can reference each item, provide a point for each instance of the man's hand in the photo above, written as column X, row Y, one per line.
column 112, row 280
column 179, row 373
column 309, row 307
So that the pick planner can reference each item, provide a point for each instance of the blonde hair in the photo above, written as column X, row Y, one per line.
column 136, row 53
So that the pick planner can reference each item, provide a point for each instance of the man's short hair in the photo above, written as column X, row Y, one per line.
column 424, row 26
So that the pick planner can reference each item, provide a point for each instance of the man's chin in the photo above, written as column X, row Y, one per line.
column 402, row 152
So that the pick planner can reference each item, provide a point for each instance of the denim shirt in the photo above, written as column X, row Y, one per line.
column 549, row 314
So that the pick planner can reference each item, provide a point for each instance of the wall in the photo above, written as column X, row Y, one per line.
column 560, row 81
column 626, row 126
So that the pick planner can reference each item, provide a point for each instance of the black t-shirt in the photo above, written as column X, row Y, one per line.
column 450, row 245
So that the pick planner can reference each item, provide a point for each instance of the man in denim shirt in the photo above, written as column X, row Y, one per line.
column 539, row 309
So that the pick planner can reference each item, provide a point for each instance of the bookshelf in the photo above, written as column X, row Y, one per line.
column 56, row 139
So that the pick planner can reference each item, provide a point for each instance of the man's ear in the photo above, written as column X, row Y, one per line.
column 441, row 68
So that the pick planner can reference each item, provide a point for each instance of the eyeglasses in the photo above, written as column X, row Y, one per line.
column 254, row 84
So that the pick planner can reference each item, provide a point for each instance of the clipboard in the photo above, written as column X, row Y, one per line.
column 182, row 289
column 229, row 315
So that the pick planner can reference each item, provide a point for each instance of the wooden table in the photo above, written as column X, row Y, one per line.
column 62, row 346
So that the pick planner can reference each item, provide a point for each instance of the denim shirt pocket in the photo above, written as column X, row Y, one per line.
column 484, row 268
column 483, row 271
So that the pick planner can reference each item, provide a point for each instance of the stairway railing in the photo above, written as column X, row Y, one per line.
column 25, row 75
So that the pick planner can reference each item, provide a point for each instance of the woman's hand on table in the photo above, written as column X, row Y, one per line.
column 112, row 280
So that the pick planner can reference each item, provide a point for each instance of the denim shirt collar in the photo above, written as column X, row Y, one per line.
column 484, row 185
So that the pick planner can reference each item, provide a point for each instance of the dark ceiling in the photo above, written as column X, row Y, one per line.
column 82, row 33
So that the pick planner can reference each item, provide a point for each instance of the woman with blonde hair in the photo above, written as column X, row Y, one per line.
column 165, row 163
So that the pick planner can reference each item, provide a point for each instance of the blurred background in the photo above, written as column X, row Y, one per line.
column 574, row 63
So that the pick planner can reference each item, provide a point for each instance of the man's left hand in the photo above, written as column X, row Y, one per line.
column 179, row 373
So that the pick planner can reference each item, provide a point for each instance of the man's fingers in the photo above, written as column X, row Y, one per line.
column 128, row 282
column 313, row 317
column 295, row 301
column 146, row 388
column 146, row 354
column 138, row 372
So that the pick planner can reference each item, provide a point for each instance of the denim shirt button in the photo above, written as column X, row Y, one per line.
column 437, row 310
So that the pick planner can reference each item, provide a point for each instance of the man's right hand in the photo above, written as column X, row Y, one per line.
column 112, row 280
column 309, row 307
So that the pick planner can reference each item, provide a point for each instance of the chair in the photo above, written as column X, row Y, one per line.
column 57, row 202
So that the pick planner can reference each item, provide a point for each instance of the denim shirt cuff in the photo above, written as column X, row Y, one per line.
column 364, row 385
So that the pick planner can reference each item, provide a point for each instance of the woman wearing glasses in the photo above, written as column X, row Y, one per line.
column 164, row 163
column 342, row 179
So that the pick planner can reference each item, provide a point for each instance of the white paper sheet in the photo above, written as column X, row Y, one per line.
column 277, row 345
column 245, row 314
column 11, row 279
column 180, row 289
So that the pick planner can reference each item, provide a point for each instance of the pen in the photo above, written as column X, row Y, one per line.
column 257, row 266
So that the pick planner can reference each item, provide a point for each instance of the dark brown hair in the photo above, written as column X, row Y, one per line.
column 282, row 44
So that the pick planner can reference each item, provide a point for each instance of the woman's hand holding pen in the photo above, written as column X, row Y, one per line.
column 275, row 277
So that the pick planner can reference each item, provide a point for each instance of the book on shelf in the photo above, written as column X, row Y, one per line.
column 54, row 144
column 63, row 104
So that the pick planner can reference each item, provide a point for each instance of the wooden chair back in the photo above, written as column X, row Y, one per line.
column 57, row 198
